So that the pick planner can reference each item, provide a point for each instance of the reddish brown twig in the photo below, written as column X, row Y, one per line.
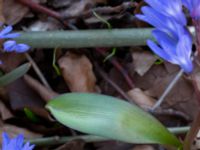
column 118, row 67
column 196, row 123
column 42, row 9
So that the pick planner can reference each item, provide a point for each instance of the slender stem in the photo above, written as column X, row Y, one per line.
column 167, row 90
column 88, row 138
column 60, row 140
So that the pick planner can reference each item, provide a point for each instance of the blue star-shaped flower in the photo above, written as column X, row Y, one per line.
column 11, row 45
column 174, row 42
column 16, row 143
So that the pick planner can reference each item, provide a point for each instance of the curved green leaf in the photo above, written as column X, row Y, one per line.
column 15, row 74
column 109, row 117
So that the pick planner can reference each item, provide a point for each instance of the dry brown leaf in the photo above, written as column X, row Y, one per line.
column 77, row 8
column 62, row 3
column 5, row 112
column 72, row 145
column 182, row 97
column 141, row 99
column 11, row 61
column 21, row 96
column 77, row 72
column 2, row 19
column 101, row 1
column 13, row 131
column 50, row 24
column 14, row 11
column 44, row 92
column 113, row 145
column 143, row 147
column 142, row 61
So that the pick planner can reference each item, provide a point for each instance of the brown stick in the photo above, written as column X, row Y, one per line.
column 42, row 9
column 114, row 85
column 119, row 68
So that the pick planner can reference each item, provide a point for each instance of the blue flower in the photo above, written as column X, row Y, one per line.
column 16, row 143
column 11, row 45
column 174, row 42
column 194, row 7
column 170, row 8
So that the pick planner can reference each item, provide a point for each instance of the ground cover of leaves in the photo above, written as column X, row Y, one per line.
column 132, row 73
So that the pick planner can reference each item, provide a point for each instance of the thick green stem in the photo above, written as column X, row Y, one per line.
column 85, row 38
column 88, row 38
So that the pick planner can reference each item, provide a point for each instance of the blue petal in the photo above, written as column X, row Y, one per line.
column 184, row 50
column 6, row 30
column 155, row 18
column 20, row 48
column 184, row 46
column 19, row 141
column 6, row 141
column 170, row 8
column 9, row 46
column 11, row 35
column 160, row 52
column 27, row 146
column 187, row 4
column 166, row 42
column 159, row 21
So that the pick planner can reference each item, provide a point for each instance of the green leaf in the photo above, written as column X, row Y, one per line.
column 109, row 117
column 30, row 115
column 15, row 74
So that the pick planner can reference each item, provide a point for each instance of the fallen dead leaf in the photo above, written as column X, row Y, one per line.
column 142, row 61
column 77, row 72
column 2, row 19
column 50, row 24
column 72, row 145
column 141, row 99
column 181, row 98
column 77, row 8
column 101, row 1
column 14, row 11
column 5, row 112
column 21, row 96
column 112, row 145
column 62, row 3
column 44, row 92
column 143, row 147
column 8, row 63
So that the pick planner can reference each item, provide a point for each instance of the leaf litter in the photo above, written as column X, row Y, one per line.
column 80, row 74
